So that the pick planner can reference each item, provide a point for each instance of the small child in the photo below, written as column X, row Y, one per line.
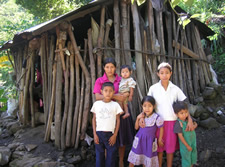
column 105, row 123
column 187, row 139
column 127, row 84
column 144, row 150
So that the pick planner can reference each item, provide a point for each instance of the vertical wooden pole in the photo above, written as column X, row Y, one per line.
column 100, row 42
column 71, row 96
column 92, row 63
column 138, row 46
column 125, row 15
column 117, row 37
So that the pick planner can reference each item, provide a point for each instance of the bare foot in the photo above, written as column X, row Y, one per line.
column 126, row 115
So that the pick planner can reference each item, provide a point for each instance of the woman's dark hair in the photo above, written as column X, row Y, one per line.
column 107, row 84
column 179, row 105
column 109, row 60
column 149, row 99
column 125, row 66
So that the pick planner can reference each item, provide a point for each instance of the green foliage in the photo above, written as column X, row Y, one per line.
column 13, row 19
column 48, row 9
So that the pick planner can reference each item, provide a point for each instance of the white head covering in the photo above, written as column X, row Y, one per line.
column 164, row 64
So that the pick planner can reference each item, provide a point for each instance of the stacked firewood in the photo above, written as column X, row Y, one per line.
column 69, row 72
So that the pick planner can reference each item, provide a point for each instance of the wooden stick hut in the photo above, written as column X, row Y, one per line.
column 57, row 62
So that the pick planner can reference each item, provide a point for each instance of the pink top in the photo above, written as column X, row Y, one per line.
column 103, row 79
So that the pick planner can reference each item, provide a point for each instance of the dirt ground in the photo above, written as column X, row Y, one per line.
column 212, row 142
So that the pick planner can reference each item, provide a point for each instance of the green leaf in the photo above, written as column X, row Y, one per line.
column 188, row 2
column 185, row 22
column 140, row 2
column 195, row 15
column 3, row 100
column 174, row 3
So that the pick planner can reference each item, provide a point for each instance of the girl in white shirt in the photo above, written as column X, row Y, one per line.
column 165, row 94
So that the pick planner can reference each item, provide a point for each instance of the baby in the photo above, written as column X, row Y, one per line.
column 127, row 84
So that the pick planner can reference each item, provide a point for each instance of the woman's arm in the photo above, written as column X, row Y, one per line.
column 190, row 125
column 116, row 97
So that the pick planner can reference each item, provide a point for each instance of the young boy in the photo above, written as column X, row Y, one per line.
column 187, row 139
column 106, row 122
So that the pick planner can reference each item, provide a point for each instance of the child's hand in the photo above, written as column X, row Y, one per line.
column 189, row 148
column 142, row 122
column 160, row 143
column 112, row 140
column 96, row 139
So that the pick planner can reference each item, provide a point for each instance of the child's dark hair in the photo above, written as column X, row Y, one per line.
column 107, row 84
column 179, row 105
column 109, row 60
column 125, row 66
column 149, row 99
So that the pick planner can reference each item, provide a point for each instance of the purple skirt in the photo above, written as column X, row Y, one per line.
column 144, row 150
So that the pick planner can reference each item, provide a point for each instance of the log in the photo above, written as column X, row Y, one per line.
column 50, row 67
column 169, row 34
column 71, row 96
column 76, row 111
column 66, row 105
column 21, row 85
column 108, row 25
column 125, row 19
column 160, row 34
column 60, row 41
column 58, row 102
column 183, row 74
column 25, row 100
column 185, row 50
column 31, row 88
column 116, row 13
column 100, row 42
column 198, row 68
column 188, row 70
column 205, row 66
column 81, row 100
column 52, row 104
column 153, row 41
column 193, row 67
column 87, row 78
column 175, row 75
column 43, row 75
column 92, row 63
column 138, row 46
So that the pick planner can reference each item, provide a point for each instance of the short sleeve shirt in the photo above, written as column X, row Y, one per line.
column 106, row 115
column 177, row 127
column 126, row 84
column 165, row 99
column 103, row 79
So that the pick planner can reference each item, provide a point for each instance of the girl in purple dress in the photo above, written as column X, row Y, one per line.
column 144, row 149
